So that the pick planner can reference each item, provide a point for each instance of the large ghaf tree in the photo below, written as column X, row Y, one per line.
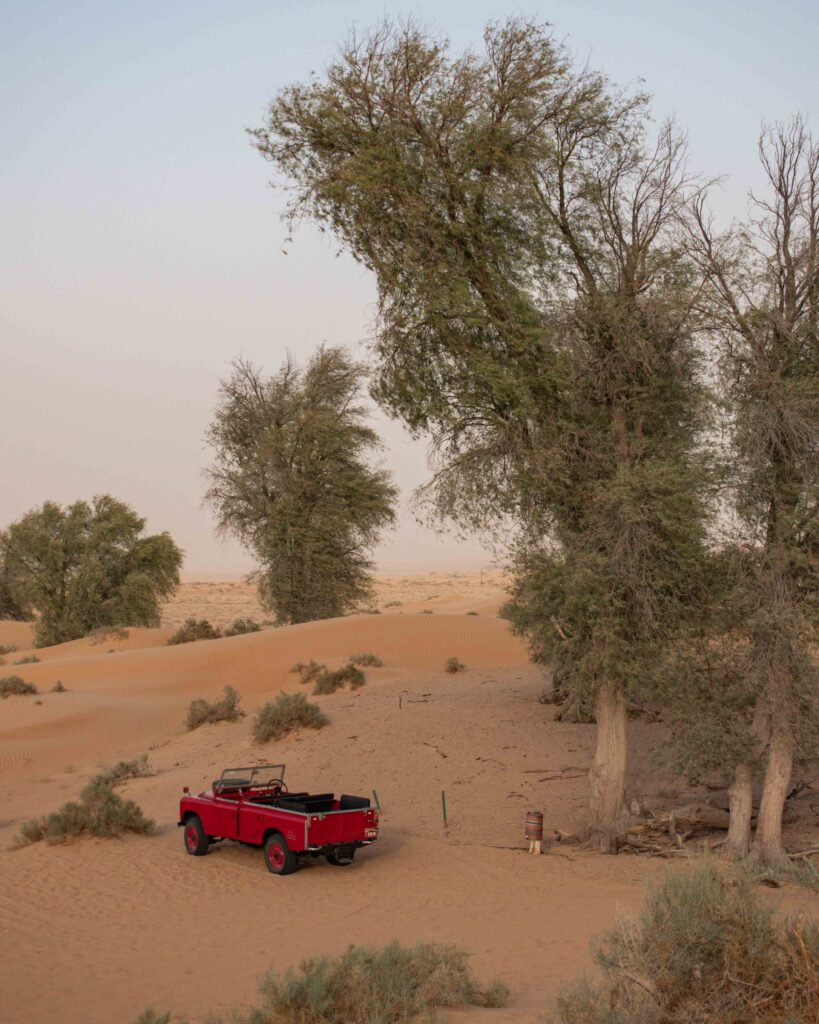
column 86, row 566
column 763, row 289
column 534, row 319
column 292, row 480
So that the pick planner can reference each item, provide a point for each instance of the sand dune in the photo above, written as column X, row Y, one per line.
column 95, row 931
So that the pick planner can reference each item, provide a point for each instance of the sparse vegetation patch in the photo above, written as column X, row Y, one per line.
column 8, row 648
column 388, row 986
column 288, row 712
column 58, row 687
column 453, row 665
column 30, row 659
column 192, row 630
column 15, row 685
column 330, row 681
column 122, row 771
column 241, row 626
column 704, row 949
column 202, row 711
column 99, row 812
column 366, row 660
column 308, row 670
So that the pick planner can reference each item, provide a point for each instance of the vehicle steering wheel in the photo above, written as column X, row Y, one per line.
column 277, row 785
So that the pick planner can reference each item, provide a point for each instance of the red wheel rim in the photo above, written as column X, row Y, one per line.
column 276, row 855
column 192, row 837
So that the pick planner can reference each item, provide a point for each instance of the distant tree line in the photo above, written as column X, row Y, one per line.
column 595, row 362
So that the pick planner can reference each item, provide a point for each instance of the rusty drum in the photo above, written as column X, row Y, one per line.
column 533, row 826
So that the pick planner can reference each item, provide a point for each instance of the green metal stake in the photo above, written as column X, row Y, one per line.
column 443, row 806
column 377, row 804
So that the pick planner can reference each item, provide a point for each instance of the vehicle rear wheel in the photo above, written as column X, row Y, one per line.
column 196, row 842
column 341, row 858
column 279, row 858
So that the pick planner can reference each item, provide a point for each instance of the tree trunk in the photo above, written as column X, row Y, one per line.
column 741, row 803
column 775, row 790
column 608, row 772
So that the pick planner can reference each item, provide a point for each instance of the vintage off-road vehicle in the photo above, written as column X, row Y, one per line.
column 253, row 806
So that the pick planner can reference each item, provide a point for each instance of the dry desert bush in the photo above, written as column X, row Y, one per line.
column 391, row 985
column 99, row 812
column 308, row 670
column 241, row 626
column 8, row 648
column 453, row 665
column 705, row 950
column 227, row 709
column 329, row 681
column 30, row 659
column 15, row 685
column 289, row 711
column 192, row 630
column 366, row 660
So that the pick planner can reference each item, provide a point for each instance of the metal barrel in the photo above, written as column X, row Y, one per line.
column 533, row 826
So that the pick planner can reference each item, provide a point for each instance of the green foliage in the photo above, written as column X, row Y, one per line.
column 453, row 665
column 536, row 317
column 391, row 985
column 329, row 681
column 30, row 659
column 100, row 812
column 192, row 630
column 705, row 949
column 201, row 712
column 241, row 626
column 289, row 711
column 87, row 566
column 15, row 685
column 292, row 481
column 366, row 660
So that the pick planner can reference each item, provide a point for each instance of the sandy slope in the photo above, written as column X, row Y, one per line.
column 95, row 931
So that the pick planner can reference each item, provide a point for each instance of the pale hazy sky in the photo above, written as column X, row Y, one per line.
column 140, row 249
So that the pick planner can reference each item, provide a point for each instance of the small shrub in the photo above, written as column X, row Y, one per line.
column 8, row 648
column 329, row 682
column 194, row 629
column 453, row 665
column 152, row 1017
column 308, row 670
column 225, row 710
column 15, row 685
column 471, row 613
column 58, row 687
column 705, row 949
column 289, row 711
column 100, row 812
column 367, row 660
column 393, row 604
column 108, row 633
column 241, row 626
column 30, row 659
column 388, row 986
column 124, row 770
column 427, row 611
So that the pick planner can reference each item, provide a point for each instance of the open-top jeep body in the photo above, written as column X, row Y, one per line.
column 253, row 806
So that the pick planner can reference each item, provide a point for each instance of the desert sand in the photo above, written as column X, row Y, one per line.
column 98, row 930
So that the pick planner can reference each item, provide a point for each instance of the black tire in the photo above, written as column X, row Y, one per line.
column 341, row 860
column 278, row 857
column 196, row 842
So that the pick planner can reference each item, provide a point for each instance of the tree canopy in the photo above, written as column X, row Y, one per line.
column 535, row 317
column 86, row 566
column 292, row 480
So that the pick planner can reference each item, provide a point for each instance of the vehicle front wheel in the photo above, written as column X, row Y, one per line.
column 279, row 858
column 196, row 842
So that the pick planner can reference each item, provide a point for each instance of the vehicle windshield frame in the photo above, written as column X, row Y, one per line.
column 257, row 776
